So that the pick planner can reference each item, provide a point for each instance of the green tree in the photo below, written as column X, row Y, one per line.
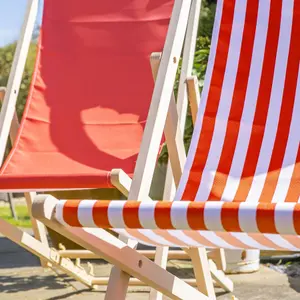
column 200, row 63
column 6, row 58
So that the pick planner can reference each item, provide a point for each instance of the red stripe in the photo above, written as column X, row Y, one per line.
column 195, row 216
column 286, row 112
column 100, row 214
column 238, row 101
column 212, row 101
column 70, row 213
column 263, row 101
column 230, row 217
column 131, row 214
column 265, row 217
column 162, row 215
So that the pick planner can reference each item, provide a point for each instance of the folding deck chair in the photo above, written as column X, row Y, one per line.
column 64, row 141
column 240, row 187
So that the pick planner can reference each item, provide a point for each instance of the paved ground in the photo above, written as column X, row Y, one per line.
column 21, row 278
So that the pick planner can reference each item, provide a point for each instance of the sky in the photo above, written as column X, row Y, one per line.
column 12, row 13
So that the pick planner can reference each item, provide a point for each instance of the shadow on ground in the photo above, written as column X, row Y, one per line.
column 14, row 284
column 14, row 256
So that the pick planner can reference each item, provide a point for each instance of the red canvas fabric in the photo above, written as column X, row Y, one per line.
column 90, row 93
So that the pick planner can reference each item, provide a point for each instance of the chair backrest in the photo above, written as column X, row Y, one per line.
column 91, row 87
column 245, row 145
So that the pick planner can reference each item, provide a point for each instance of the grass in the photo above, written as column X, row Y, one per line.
column 22, row 213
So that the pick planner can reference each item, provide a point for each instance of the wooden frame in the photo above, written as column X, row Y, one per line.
column 114, row 250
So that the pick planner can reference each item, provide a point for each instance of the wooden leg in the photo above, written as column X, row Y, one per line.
column 161, row 259
column 12, row 206
column 39, row 228
column 221, row 279
column 117, row 284
column 47, row 255
column 220, row 259
column 201, row 270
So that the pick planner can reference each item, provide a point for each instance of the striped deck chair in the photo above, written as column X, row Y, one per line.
column 240, row 186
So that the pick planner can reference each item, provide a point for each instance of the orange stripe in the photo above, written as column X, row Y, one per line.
column 261, row 239
column 286, row 112
column 296, row 219
column 238, row 102
column 170, row 238
column 195, row 216
column 292, row 239
column 131, row 214
column 139, row 236
column 212, row 102
column 232, row 240
column 100, row 214
column 70, row 213
column 230, row 217
column 265, row 217
column 294, row 188
column 162, row 215
column 196, row 236
column 263, row 101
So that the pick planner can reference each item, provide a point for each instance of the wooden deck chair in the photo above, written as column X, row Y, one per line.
column 240, row 187
column 85, row 114
column 46, row 156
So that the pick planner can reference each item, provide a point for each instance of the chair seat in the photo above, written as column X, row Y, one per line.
column 88, row 101
column 66, row 181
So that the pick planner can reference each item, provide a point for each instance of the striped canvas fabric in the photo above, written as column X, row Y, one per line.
column 244, row 159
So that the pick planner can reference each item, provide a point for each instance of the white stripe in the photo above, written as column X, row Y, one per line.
column 280, row 241
column 284, row 220
column 150, row 234
column 146, row 215
column 290, row 155
column 59, row 208
column 115, row 214
column 206, row 88
column 124, row 233
column 250, row 102
column 275, row 103
column 212, row 216
column 180, row 235
column 225, row 101
column 248, row 240
column 247, row 217
column 179, row 215
column 213, row 238
column 85, row 213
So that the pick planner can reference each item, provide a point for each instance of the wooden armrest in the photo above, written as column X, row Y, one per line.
column 193, row 95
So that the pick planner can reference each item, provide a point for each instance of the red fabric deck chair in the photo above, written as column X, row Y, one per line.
column 89, row 96
column 240, row 187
